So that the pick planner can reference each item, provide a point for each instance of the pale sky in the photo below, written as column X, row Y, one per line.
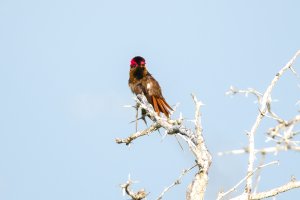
column 63, row 79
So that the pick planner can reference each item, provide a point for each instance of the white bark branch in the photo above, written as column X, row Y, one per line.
column 265, row 150
column 139, row 195
column 176, row 182
column 271, row 193
column 223, row 194
column 194, row 140
column 232, row 91
column 273, row 132
column 138, row 134
column 264, row 108
column 197, row 188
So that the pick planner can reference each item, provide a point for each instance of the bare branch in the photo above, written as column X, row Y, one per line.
column 265, row 150
column 176, row 182
column 139, row 195
column 223, row 194
column 194, row 140
column 263, row 109
column 236, row 151
column 294, row 71
column 264, row 101
column 171, row 126
column 258, row 174
column 283, row 126
column 197, row 188
column 262, row 195
column 232, row 91
column 138, row 134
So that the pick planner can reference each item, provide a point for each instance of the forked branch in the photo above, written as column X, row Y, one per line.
column 194, row 140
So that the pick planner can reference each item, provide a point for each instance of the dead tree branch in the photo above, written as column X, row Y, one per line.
column 223, row 194
column 138, row 134
column 139, row 195
column 176, row 182
column 282, row 134
column 265, row 101
column 271, row 193
column 194, row 140
column 197, row 188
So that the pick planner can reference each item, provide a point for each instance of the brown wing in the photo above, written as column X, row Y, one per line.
column 154, row 96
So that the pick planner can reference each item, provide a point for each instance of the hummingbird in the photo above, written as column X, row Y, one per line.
column 142, row 82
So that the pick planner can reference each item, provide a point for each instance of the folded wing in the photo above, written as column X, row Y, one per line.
column 155, row 97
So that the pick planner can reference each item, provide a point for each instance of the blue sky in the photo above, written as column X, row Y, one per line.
column 63, row 80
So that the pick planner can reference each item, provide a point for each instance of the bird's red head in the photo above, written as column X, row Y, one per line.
column 137, row 61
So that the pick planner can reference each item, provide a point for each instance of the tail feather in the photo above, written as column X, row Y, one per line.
column 166, row 104
column 162, row 107
column 156, row 109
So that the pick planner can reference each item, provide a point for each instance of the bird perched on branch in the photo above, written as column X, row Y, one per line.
column 142, row 82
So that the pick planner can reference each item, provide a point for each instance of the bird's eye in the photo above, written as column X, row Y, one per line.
column 133, row 65
column 143, row 64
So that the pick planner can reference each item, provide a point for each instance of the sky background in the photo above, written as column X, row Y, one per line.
column 64, row 69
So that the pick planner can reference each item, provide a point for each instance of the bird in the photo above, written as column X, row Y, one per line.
column 142, row 82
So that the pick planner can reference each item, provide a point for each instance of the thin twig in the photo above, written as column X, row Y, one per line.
column 258, row 174
column 223, row 194
column 138, row 134
column 232, row 91
column 139, row 195
column 270, row 193
column 265, row 150
column 283, row 125
column 176, row 182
